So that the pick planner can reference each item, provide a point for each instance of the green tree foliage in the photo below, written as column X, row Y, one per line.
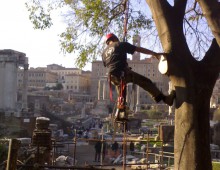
column 3, row 153
column 152, row 114
column 87, row 23
column 59, row 86
column 216, row 115
column 215, row 165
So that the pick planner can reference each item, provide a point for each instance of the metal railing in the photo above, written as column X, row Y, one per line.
column 12, row 162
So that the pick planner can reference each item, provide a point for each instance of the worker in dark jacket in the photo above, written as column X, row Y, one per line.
column 132, row 147
column 98, row 148
column 115, row 147
column 115, row 59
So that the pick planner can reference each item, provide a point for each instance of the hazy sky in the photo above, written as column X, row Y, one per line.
column 41, row 46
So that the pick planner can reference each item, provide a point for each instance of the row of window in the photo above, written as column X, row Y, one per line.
column 71, row 87
column 31, row 85
column 33, row 81
column 148, row 75
column 66, row 73
column 75, row 87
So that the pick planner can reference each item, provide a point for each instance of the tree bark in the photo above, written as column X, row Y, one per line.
column 193, row 81
column 211, row 11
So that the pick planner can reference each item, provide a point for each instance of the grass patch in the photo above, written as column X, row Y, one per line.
column 215, row 165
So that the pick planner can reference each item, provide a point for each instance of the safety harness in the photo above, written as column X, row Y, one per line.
column 121, row 114
column 120, row 111
column 122, row 97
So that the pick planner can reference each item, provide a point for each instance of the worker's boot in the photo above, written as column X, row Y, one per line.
column 121, row 115
column 166, row 99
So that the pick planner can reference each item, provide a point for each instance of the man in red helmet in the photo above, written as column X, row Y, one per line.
column 115, row 59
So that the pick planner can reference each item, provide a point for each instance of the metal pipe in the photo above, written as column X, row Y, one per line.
column 74, row 153
column 124, row 147
column 14, row 145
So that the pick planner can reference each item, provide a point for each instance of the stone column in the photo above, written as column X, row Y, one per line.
column 10, row 60
column 10, row 84
column 2, row 84
column 99, row 89
column 104, row 89
column 24, row 90
column 138, row 99
column 130, row 96
column 107, row 89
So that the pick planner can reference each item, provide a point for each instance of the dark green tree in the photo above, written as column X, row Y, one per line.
column 3, row 153
column 185, row 28
column 58, row 86
column 153, row 114
column 216, row 115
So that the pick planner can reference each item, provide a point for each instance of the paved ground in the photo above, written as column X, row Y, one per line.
column 85, row 154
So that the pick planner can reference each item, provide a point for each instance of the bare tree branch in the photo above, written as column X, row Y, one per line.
column 211, row 12
column 192, row 9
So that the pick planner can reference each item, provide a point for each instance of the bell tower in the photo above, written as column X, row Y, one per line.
column 137, row 42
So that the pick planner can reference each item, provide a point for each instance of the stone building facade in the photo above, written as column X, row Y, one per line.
column 76, row 83
column 62, row 71
column 37, row 78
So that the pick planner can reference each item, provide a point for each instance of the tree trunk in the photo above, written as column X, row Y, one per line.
column 192, row 129
column 193, row 81
column 193, row 92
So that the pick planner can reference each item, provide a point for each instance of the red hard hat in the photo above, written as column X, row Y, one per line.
column 108, row 36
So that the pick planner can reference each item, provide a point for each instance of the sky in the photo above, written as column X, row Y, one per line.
column 40, row 46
